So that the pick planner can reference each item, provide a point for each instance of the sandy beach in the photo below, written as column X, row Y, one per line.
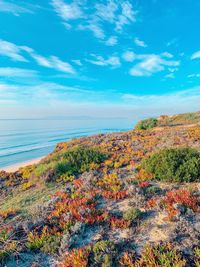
column 15, row 167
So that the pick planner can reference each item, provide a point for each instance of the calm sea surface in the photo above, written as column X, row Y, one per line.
column 24, row 140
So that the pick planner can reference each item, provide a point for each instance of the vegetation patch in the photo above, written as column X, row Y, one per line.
column 180, row 200
column 8, row 245
column 75, row 161
column 131, row 214
column 84, row 208
column 154, row 256
column 146, row 124
column 174, row 165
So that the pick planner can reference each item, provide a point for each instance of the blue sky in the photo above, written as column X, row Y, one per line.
column 99, row 58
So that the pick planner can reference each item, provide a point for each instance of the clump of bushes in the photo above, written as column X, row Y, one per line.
column 131, row 214
column 78, row 160
column 65, row 166
column 174, row 165
column 146, row 124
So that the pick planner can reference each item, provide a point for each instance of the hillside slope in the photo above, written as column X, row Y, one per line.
column 93, row 202
column 185, row 119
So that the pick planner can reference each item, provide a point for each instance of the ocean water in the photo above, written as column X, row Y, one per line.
column 24, row 140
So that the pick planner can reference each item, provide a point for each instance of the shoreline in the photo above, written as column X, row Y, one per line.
column 15, row 167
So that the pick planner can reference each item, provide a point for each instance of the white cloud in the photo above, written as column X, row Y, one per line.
column 93, row 17
column 139, row 42
column 112, row 61
column 167, row 54
column 54, row 63
column 17, row 72
column 67, row 25
column 170, row 75
column 42, row 61
column 127, row 15
column 107, row 11
column 196, row 55
column 94, row 28
column 194, row 75
column 111, row 41
column 173, row 69
column 129, row 56
column 67, row 11
column 151, row 64
column 10, row 7
column 61, row 65
column 172, row 42
column 12, row 51
column 77, row 62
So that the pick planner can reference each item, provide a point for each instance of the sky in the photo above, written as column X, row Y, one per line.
column 104, row 59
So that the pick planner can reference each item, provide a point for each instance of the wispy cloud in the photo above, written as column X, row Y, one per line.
column 167, row 54
column 170, row 76
column 139, row 42
column 93, row 17
column 174, row 100
column 77, row 62
column 194, row 75
column 12, row 51
column 129, row 56
column 112, row 61
column 111, row 41
column 52, row 91
column 196, row 55
column 17, row 72
column 151, row 64
column 107, row 11
column 16, row 53
column 127, row 15
column 65, row 100
column 172, row 42
column 14, row 8
column 67, row 11
column 53, row 62
column 95, row 28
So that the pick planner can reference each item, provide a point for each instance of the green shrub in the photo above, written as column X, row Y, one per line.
column 103, row 251
column 174, row 164
column 152, row 190
column 52, row 244
column 78, row 160
column 43, row 168
column 131, row 214
column 146, row 124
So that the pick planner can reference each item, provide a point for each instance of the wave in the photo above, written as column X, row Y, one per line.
column 25, row 145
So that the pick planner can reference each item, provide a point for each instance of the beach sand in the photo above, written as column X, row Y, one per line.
column 15, row 167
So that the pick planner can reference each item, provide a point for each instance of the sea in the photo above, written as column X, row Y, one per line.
column 25, row 140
